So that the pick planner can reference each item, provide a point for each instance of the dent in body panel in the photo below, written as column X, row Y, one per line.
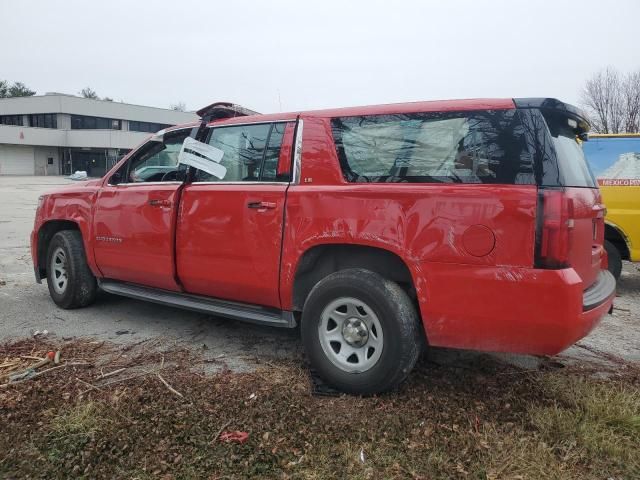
column 422, row 224
column 145, row 253
column 75, row 204
column 502, row 308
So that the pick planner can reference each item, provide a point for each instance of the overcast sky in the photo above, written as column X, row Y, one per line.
column 290, row 55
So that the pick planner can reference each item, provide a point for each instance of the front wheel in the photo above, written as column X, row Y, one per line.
column 71, row 283
column 361, row 332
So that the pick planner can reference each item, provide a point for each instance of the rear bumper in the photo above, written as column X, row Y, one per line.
column 518, row 310
column 599, row 292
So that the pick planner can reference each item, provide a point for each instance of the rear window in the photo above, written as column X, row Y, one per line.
column 574, row 169
column 456, row 147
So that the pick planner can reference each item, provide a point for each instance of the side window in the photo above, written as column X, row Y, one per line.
column 272, row 154
column 157, row 160
column 250, row 152
column 462, row 147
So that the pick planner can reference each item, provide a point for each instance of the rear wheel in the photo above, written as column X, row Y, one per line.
column 360, row 331
column 71, row 283
column 615, row 259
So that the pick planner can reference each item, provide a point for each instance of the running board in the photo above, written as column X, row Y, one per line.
column 197, row 303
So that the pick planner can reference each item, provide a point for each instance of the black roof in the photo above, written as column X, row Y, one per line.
column 553, row 105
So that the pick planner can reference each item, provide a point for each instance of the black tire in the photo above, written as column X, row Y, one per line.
column 396, row 315
column 81, row 286
column 615, row 259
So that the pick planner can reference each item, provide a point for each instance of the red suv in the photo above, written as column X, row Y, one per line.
column 469, row 223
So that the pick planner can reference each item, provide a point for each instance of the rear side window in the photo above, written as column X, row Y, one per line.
column 250, row 152
column 457, row 147
column 272, row 153
column 573, row 166
column 243, row 148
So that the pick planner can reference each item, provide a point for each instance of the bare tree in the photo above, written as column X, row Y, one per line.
column 89, row 92
column 179, row 107
column 613, row 101
column 631, row 97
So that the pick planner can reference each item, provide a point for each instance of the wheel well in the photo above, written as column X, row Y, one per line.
column 613, row 235
column 45, row 234
column 323, row 260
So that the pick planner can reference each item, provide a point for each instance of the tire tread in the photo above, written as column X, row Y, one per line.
column 82, row 282
column 407, row 323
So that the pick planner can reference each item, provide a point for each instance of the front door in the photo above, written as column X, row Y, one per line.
column 135, row 216
column 229, row 233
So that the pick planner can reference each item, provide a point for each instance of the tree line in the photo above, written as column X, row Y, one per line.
column 15, row 89
column 19, row 89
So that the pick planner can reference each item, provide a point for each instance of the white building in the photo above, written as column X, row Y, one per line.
column 57, row 134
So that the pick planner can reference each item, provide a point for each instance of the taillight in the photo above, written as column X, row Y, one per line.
column 553, row 240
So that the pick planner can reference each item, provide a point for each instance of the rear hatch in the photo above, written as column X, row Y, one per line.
column 570, row 230
column 586, row 212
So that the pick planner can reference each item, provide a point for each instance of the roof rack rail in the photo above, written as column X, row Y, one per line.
column 218, row 110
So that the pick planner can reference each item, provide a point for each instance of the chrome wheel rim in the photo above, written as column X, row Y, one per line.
column 59, row 276
column 350, row 335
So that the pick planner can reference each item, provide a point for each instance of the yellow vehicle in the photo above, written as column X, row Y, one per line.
column 615, row 162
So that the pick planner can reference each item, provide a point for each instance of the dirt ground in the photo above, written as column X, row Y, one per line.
column 25, row 307
column 131, row 411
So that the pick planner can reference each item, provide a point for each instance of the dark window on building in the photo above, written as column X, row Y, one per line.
column 146, row 126
column 43, row 120
column 83, row 122
column 452, row 147
column 11, row 120
column 49, row 160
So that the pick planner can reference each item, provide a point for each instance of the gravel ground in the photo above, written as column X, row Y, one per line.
column 26, row 307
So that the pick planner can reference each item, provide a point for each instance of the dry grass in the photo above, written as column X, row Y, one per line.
column 83, row 419
column 479, row 421
column 591, row 420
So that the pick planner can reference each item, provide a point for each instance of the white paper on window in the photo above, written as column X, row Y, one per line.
column 203, row 157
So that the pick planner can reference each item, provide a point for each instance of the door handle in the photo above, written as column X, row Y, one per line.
column 160, row 203
column 261, row 205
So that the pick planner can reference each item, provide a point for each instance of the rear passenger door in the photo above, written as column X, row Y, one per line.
column 229, row 233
